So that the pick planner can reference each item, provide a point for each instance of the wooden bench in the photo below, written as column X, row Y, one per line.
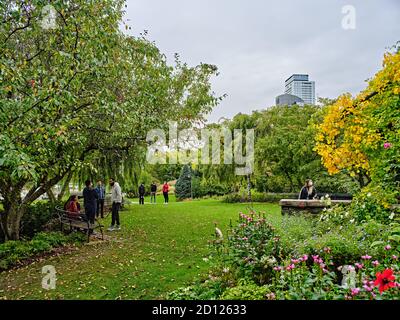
column 78, row 222
column 291, row 206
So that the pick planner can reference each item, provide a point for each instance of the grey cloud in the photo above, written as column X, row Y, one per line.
column 257, row 44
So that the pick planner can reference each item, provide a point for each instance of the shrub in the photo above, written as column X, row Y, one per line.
column 252, row 248
column 207, row 290
column 258, row 197
column 372, row 204
column 39, row 214
column 246, row 290
column 13, row 252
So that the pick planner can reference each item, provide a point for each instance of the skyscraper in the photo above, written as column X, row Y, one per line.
column 288, row 100
column 299, row 85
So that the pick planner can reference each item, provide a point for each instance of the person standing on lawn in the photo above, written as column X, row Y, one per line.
column 101, row 193
column 116, row 200
column 90, row 201
column 141, row 193
column 153, row 192
column 165, row 190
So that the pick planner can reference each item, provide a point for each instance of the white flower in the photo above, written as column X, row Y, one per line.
column 369, row 194
column 225, row 270
column 391, row 216
column 271, row 260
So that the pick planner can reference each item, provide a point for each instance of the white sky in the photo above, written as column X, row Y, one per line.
column 257, row 44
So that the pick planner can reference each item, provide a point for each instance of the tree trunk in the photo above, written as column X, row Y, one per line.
column 51, row 195
column 249, row 188
column 12, row 215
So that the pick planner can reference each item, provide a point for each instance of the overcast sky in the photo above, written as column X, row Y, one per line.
column 257, row 44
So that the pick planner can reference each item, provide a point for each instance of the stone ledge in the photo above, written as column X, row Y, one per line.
column 312, row 206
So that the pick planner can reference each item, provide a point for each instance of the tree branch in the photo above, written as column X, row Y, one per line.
column 18, row 29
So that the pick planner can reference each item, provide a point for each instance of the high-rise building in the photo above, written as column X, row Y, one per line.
column 299, row 85
column 288, row 100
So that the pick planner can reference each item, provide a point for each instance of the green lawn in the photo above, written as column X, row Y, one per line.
column 160, row 248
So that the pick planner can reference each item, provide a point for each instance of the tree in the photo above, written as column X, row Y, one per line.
column 361, row 135
column 183, row 187
column 80, row 95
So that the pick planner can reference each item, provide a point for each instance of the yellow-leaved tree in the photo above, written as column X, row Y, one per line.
column 361, row 135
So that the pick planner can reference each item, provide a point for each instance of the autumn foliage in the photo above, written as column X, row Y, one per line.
column 361, row 135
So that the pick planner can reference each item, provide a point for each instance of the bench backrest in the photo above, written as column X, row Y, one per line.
column 66, row 216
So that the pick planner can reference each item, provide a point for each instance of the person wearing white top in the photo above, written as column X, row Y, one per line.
column 116, row 200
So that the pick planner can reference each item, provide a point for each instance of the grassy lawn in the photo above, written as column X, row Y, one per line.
column 160, row 248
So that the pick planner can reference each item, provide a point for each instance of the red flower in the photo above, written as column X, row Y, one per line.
column 385, row 280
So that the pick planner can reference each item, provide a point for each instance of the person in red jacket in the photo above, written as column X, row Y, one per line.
column 72, row 207
column 165, row 190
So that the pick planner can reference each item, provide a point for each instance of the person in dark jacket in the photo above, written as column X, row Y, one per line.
column 308, row 192
column 90, row 201
column 101, row 194
column 141, row 194
column 153, row 192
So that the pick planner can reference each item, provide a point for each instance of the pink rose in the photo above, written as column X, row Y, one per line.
column 355, row 291
column 387, row 145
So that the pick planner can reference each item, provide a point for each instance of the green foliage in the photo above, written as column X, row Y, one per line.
column 284, row 145
column 252, row 248
column 166, row 172
column 245, row 290
column 13, row 252
column 208, row 290
column 39, row 214
column 258, row 197
column 284, row 155
column 372, row 203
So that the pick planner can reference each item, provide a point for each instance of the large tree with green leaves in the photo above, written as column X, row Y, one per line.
column 81, row 92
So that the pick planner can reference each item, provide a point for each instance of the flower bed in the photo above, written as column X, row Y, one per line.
column 301, row 258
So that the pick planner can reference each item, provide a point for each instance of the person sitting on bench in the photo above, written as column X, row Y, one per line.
column 308, row 192
column 72, row 207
